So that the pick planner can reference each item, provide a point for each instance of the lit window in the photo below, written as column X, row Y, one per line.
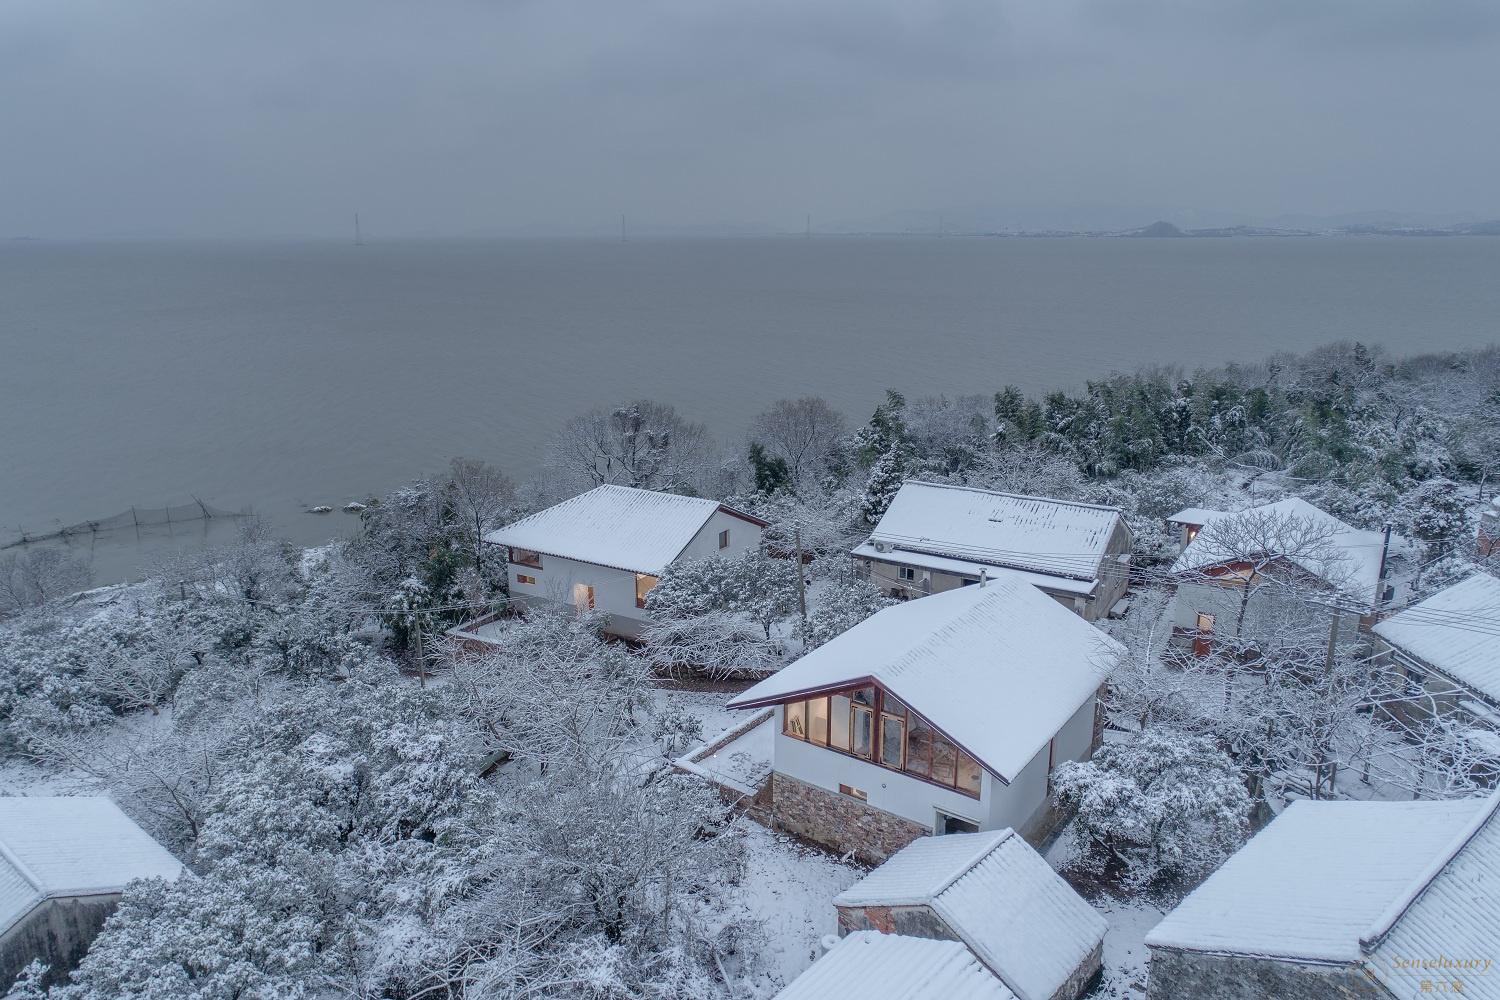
column 724, row 539
column 1205, row 622
column 643, row 585
column 853, row 793
column 523, row 578
column 817, row 721
column 526, row 557
column 794, row 721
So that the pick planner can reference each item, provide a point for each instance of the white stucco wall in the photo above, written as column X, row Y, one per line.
column 742, row 535
column 614, row 589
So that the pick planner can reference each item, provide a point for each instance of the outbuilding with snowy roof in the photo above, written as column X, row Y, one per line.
column 997, row 896
column 1448, row 649
column 942, row 715
column 871, row 966
column 936, row 537
column 605, row 549
column 1343, row 899
column 63, row 864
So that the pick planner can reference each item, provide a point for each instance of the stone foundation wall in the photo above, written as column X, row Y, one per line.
column 840, row 822
column 1185, row 975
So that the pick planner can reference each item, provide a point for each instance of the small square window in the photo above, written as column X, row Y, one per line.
column 523, row 578
column 1205, row 622
column 724, row 539
column 907, row 573
column 853, row 793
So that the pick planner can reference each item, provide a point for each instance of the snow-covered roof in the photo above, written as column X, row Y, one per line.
column 971, row 569
column 875, row 966
column 1194, row 515
column 70, row 846
column 1315, row 881
column 1456, row 630
column 1450, row 911
column 1349, row 561
column 641, row 531
column 996, row 668
column 1004, row 530
column 1000, row 897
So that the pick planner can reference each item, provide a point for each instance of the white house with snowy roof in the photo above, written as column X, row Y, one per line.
column 605, row 549
column 936, row 537
column 997, row 896
column 944, row 715
column 1448, row 649
column 1344, row 899
column 63, row 863
column 1290, row 541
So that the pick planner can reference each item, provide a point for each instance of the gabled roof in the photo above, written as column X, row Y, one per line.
column 641, row 531
column 1004, row 530
column 1000, row 897
column 1316, row 880
column 874, row 966
column 70, row 846
column 1195, row 515
column 1456, row 630
column 1350, row 561
column 1452, row 910
column 998, row 668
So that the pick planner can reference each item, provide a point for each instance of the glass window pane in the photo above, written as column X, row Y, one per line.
column 817, row 721
column 944, row 757
column 838, row 722
column 919, row 748
column 892, row 739
column 795, row 723
column 892, row 707
column 863, row 725
column 969, row 775
column 865, row 696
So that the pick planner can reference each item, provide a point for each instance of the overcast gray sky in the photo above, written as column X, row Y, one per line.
column 259, row 117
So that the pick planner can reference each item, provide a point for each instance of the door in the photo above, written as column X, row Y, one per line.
column 948, row 823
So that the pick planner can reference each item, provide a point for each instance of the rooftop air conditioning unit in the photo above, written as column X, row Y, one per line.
column 882, row 547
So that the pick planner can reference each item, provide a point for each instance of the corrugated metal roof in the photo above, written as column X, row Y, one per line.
column 70, row 846
column 874, row 966
column 1000, row 897
column 641, row 531
column 998, row 668
column 1315, row 880
column 1456, row 630
column 1005, row 530
column 1454, row 914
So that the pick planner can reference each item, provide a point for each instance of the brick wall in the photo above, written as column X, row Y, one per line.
column 838, row 821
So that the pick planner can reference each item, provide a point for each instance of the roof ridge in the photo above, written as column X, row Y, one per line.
column 1014, row 496
column 1000, row 837
column 9, row 855
column 1398, row 907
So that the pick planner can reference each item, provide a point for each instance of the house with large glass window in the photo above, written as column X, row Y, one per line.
column 936, row 537
column 605, row 549
column 944, row 715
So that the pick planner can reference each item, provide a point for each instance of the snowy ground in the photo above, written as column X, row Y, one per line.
column 788, row 891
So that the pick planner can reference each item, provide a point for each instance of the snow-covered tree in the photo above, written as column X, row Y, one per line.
column 843, row 606
column 645, row 444
column 885, row 480
column 802, row 434
column 33, row 576
column 1159, row 808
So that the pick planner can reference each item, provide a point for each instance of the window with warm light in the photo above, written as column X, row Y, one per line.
column 525, row 557
column 643, row 585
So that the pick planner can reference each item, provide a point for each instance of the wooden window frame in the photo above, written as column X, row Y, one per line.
column 523, row 557
column 724, row 539
column 879, row 714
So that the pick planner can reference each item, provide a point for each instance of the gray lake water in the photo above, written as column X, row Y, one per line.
column 278, row 376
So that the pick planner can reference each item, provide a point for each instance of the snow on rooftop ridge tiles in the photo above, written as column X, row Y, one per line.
column 641, row 531
column 1314, row 881
column 998, row 669
column 1001, row 897
column 1012, row 530
column 875, row 966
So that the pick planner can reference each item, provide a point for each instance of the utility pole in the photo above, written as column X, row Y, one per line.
column 801, row 581
column 421, row 654
column 1385, row 549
